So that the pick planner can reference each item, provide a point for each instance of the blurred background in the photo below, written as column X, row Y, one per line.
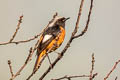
column 102, row 37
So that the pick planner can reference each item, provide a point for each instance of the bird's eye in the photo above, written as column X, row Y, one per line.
column 62, row 19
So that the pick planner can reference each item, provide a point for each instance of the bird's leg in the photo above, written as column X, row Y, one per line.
column 49, row 57
column 49, row 60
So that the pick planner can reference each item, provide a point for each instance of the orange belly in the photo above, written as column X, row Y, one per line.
column 57, row 41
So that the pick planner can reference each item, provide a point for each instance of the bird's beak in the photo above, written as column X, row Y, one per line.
column 67, row 19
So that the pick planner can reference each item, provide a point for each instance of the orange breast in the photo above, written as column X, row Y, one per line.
column 61, row 36
column 57, row 41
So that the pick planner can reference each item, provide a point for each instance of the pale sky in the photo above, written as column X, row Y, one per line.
column 102, row 37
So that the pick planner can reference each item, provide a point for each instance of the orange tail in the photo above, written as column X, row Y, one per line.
column 38, row 60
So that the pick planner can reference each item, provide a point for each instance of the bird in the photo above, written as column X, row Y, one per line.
column 51, row 38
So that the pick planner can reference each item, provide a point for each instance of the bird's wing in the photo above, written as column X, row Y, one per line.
column 46, row 38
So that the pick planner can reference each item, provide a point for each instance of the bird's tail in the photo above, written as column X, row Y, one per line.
column 37, row 63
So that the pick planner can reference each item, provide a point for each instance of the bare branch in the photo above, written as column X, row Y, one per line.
column 78, row 18
column 70, row 77
column 91, row 76
column 91, row 72
column 10, row 67
column 22, row 41
column 18, row 27
column 14, row 35
column 114, row 67
column 87, row 23
column 26, row 61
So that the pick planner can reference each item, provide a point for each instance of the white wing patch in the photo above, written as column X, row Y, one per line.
column 46, row 37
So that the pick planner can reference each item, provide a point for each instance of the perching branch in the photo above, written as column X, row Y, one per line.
column 71, row 39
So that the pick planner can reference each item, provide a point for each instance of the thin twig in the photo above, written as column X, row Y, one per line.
column 14, row 35
column 114, row 67
column 22, row 41
column 10, row 67
column 69, row 42
column 87, row 23
column 70, row 77
column 18, row 27
column 91, row 76
column 91, row 71
column 78, row 19
column 26, row 61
